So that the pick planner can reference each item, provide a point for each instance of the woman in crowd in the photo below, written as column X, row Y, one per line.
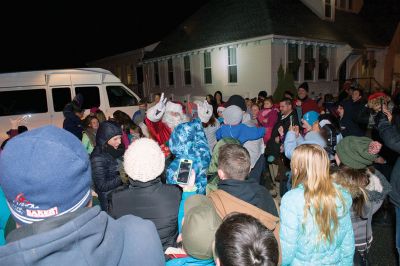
column 217, row 102
column 315, row 218
column 367, row 186
column 106, row 160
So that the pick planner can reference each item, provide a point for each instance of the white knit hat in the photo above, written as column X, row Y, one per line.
column 173, row 107
column 144, row 160
column 233, row 115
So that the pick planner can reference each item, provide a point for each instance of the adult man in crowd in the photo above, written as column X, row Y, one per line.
column 45, row 175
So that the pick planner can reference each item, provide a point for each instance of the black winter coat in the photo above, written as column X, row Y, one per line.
column 251, row 192
column 151, row 200
column 105, row 168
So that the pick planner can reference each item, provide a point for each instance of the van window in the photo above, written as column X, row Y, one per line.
column 118, row 96
column 91, row 96
column 61, row 97
column 18, row 102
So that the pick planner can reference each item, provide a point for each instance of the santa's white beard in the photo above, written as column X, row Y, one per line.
column 173, row 119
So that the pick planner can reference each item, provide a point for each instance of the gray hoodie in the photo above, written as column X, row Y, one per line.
column 85, row 237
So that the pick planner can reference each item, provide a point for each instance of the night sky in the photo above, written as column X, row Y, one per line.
column 65, row 34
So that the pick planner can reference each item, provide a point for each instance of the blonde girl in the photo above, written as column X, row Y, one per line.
column 315, row 219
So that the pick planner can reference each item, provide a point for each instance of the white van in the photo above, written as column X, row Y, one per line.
column 40, row 96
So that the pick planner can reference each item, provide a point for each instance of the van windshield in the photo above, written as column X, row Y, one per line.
column 118, row 96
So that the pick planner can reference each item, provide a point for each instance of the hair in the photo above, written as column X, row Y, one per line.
column 22, row 129
column 215, row 98
column 241, row 239
column 355, row 181
column 287, row 101
column 269, row 99
column 263, row 94
column 360, row 91
column 100, row 116
column 310, row 167
column 75, row 107
column 157, row 94
column 212, row 122
column 288, row 92
column 234, row 161
column 88, row 130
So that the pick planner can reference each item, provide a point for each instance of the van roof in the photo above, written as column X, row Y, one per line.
column 58, row 77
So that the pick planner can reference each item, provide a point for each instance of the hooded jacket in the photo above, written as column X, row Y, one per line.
column 84, row 237
column 251, row 192
column 105, row 168
column 72, row 123
column 301, row 246
column 153, row 201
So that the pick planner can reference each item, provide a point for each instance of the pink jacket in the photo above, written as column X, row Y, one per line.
column 267, row 118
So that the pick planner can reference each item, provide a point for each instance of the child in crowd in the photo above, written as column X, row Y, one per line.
column 241, row 239
column 315, row 216
column 268, row 117
column 233, row 128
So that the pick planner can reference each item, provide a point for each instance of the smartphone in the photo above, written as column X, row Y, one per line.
column 185, row 166
column 291, row 120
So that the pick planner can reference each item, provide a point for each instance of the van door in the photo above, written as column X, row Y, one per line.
column 29, row 103
column 121, row 98
column 60, row 96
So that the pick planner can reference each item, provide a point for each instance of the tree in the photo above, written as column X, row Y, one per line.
column 285, row 83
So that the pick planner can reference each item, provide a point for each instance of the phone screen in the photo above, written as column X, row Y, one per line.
column 184, row 172
column 291, row 120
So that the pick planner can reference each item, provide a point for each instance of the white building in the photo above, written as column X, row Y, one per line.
column 237, row 47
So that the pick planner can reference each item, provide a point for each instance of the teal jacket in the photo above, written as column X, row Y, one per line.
column 301, row 247
column 4, row 215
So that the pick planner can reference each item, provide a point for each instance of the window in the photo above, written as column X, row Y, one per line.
column 61, row 97
column 18, row 102
column 342, row 4
column 118, row 96
column 350, row 2
column 293, row 60
column 119, row 72
column 232, row 66
column 328, row 9
column 207, row 68
column 91, row 96
column 186, row 66
column 156, row 74
column 323, row 62
column 170, row 72
column 309, row 63
column 130, row 78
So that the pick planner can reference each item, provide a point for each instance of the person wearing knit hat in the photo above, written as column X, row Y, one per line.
column 45, row 174
column 357, row 152
column 233, row 128
column 238, row 101
column 199, row 225
column 147, row 197
column 305, row 104
column 368, row 187
column 309, row 119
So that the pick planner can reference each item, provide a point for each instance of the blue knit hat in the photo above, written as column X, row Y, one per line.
column 311, row 117
column 44, row 172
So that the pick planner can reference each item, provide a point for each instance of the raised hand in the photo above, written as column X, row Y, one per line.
column 205, row 111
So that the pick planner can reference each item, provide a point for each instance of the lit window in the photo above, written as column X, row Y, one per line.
column 232, row 66
column 293, row 60
column 186, row 66
column 207, row 68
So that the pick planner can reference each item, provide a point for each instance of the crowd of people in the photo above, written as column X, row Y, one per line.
column 263, row 181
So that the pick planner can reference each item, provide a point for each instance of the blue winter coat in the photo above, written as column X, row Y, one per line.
column 190, row 261
column 4, row 215
column 240, row 132
column 301, row 247
column 188, row 141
